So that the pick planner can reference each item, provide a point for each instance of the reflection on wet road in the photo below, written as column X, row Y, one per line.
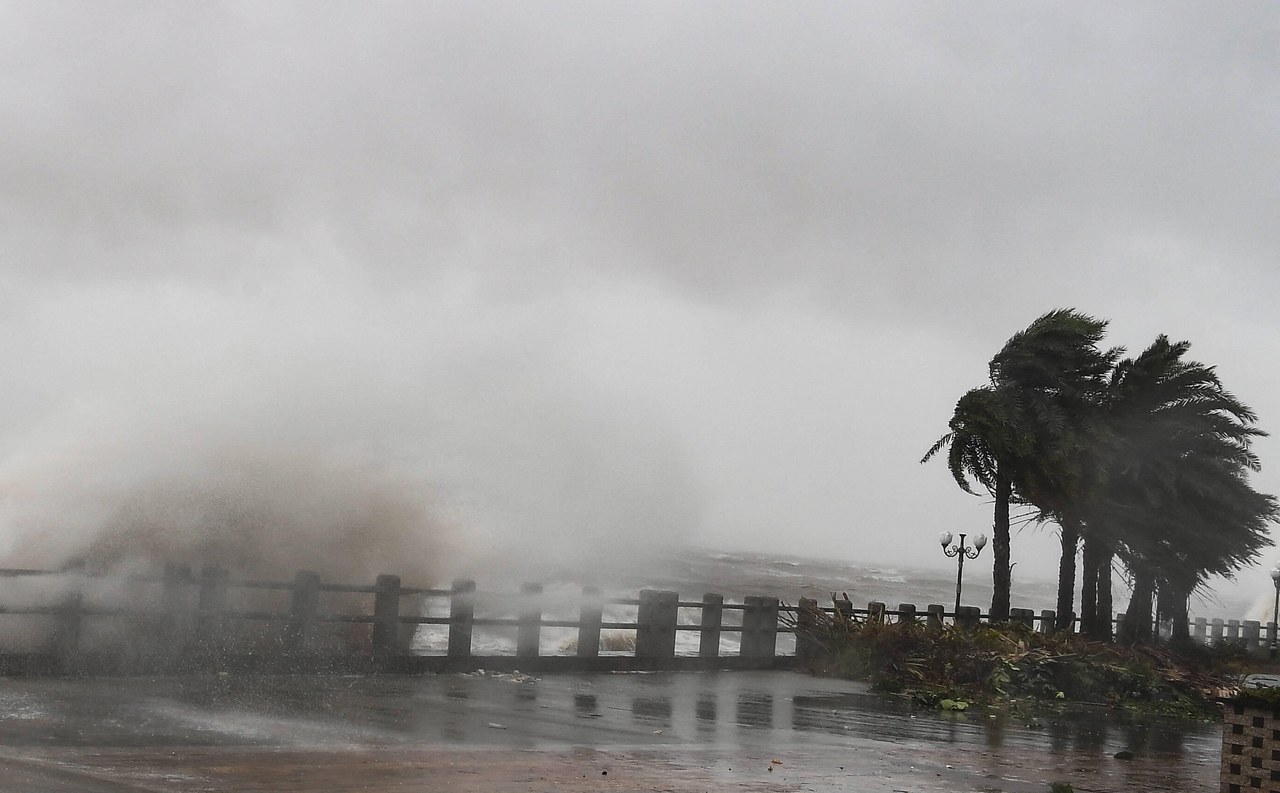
column 826, row 733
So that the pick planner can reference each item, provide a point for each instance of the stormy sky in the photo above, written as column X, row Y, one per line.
column 569, row 274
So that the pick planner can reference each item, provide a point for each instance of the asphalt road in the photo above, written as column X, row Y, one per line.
column 499, row 733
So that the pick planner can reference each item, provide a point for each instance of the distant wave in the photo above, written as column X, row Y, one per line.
column 889, row 579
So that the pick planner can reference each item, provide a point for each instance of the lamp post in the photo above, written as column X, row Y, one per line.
column 1275, row 612
column 959, row 551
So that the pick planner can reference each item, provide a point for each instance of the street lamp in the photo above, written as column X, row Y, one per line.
column 959, row 551
column 1275, row 612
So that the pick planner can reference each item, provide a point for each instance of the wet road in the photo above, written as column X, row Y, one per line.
column 718, row 731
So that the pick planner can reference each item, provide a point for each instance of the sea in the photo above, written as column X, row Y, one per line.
column 694, row 571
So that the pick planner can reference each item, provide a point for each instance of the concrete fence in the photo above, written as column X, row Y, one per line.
column 184, row 621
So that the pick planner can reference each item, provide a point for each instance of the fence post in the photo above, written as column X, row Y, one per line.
column 712, row 615
column 386, row 616
column 305, row 602
column 906, row 613
column 1233, row 629
column 750, row 625
column 656, row 624
column 462, row 614
column 1215, row 629
column 968, row 616
column 767, row 633
column 844, row 608
column 934, row 615
column 529, row 632
column 1025, row 617
column 1200, row 630
column 759, row 627
column 1250, row 631
column 212, row 602
column 764, row 627
column 589, row 619
column 806, row 627
column 1047, row 618
column 875, row 611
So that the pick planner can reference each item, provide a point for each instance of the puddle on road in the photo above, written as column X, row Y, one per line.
column 831, row 729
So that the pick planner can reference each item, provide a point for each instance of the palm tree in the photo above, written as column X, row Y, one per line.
column 1095, row 586
column 1175, row 502
column 985, row 444
column 1147, row 459
column 1205, row 519
column 1056, row 372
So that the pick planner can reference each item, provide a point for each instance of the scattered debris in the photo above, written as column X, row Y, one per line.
column 953, row 669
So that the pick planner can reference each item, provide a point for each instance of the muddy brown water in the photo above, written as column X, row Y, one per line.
column 715, row 731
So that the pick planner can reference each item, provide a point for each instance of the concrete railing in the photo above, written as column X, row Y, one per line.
column 211, row 619
column 181, row 620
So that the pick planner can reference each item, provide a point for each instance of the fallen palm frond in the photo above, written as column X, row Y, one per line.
column 1000, row 663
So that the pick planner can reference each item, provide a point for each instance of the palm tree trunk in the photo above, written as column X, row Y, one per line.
column 1001, row 578
column 1105, row 607
column 1137, row 618
column 1067, row 575
column 1166, row 599
column 1089, row 567
column 1178, row 613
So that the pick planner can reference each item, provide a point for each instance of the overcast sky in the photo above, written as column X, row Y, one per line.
column 567, row 273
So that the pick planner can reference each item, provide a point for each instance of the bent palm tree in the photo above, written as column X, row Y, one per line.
column 1148, row 459
column 1177, row 504
column 986, row 444
column 1057, row 373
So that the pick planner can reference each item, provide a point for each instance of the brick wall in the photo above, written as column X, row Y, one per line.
column 1250, row 747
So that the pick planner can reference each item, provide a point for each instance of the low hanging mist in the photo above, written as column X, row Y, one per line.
column 419, row 436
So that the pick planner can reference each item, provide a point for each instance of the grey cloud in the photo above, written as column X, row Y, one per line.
column 730, row 148
column 552, row 220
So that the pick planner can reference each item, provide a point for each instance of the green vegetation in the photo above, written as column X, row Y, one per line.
column 1267, row 697
column 1146, row 459
column 1010, row 665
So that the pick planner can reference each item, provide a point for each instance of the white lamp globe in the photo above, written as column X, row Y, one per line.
column 945, row 538
column 980, row 541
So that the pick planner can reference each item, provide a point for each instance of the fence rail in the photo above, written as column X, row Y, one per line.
column 184, row 621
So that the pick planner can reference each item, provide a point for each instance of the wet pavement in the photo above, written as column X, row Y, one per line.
column 710, row 731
